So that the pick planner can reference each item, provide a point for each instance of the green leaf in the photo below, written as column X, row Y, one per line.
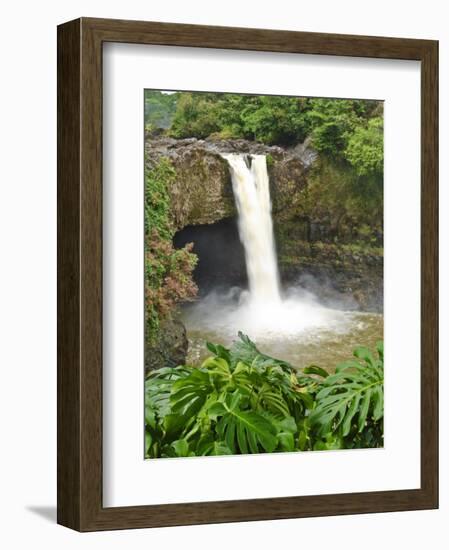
column 352, row 411
column 306, row 398
column 347, row 397
column 180, row 447
column 287, row 424
column 174, row 424
column 158, row 387
column 378, row 399
column 226, row 407
column 347, row 365
column 217, row 409
column 380, row 350
column 207, row 446
column 246, row 350
column 363, row 413
column 217, row 365
column 150, row 417
column 189, row 394
column 364, row 354
column 286, row 441
column 329, row 443
column 303, row 440
column 246, row 431
column 219, row 351
column 314, row 369
column 273, row 400
column 148, row 443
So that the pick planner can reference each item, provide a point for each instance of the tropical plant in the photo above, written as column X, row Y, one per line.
column 242, row 401
column 350, row 402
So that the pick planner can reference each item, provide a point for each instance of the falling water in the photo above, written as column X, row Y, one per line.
column 252, row 196
column 295, row 327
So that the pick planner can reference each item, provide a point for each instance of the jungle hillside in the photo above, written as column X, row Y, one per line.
column 263, row 273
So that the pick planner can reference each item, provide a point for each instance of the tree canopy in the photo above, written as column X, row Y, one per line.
column 349, row 130
column 159, row 109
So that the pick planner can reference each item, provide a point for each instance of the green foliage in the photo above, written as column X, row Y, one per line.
column 331, row 122
column 242, row 401
column 245, row 430
column 351, row 205
column 276, row 119
column 365, row 148
column 168, row 271
column 269, row 119
column 343, row 129
column 350, row 131
column 351, row 397
column 238, row 401
column 159, row 109
column 157, row 199
column 270, row 160
column 196, row 116
column 345, row 189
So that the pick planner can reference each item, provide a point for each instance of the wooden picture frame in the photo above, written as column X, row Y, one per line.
column 80, row 504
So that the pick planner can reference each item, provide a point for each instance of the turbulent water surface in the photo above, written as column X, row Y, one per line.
column 300, row 330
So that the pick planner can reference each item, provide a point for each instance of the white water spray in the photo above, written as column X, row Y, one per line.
column 252, row 196
column 277, row 322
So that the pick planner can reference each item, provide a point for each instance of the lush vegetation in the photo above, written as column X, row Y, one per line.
column 159, row 109
column 168, row 271
column 242, row 401
column 345, row 188
column 348, row 130
column 349, row 205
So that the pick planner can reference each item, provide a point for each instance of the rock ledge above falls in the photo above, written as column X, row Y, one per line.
column 202, row 191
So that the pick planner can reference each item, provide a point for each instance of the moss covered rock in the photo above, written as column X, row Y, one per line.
column 327, row 221
column 169, row 347
column 201, row 192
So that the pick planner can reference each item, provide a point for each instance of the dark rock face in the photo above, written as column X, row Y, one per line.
column 202, row 192
column 340, row 276
column 288, row 177
column 221, row 257
column 171, row 347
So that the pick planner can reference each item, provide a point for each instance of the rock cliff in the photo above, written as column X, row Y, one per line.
column 311, row 246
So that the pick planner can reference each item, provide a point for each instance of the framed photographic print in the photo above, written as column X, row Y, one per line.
column 247, row 289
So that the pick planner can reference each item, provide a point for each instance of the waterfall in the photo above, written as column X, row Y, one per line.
column 251, row 189
column 260, row 312
column 282, row 326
